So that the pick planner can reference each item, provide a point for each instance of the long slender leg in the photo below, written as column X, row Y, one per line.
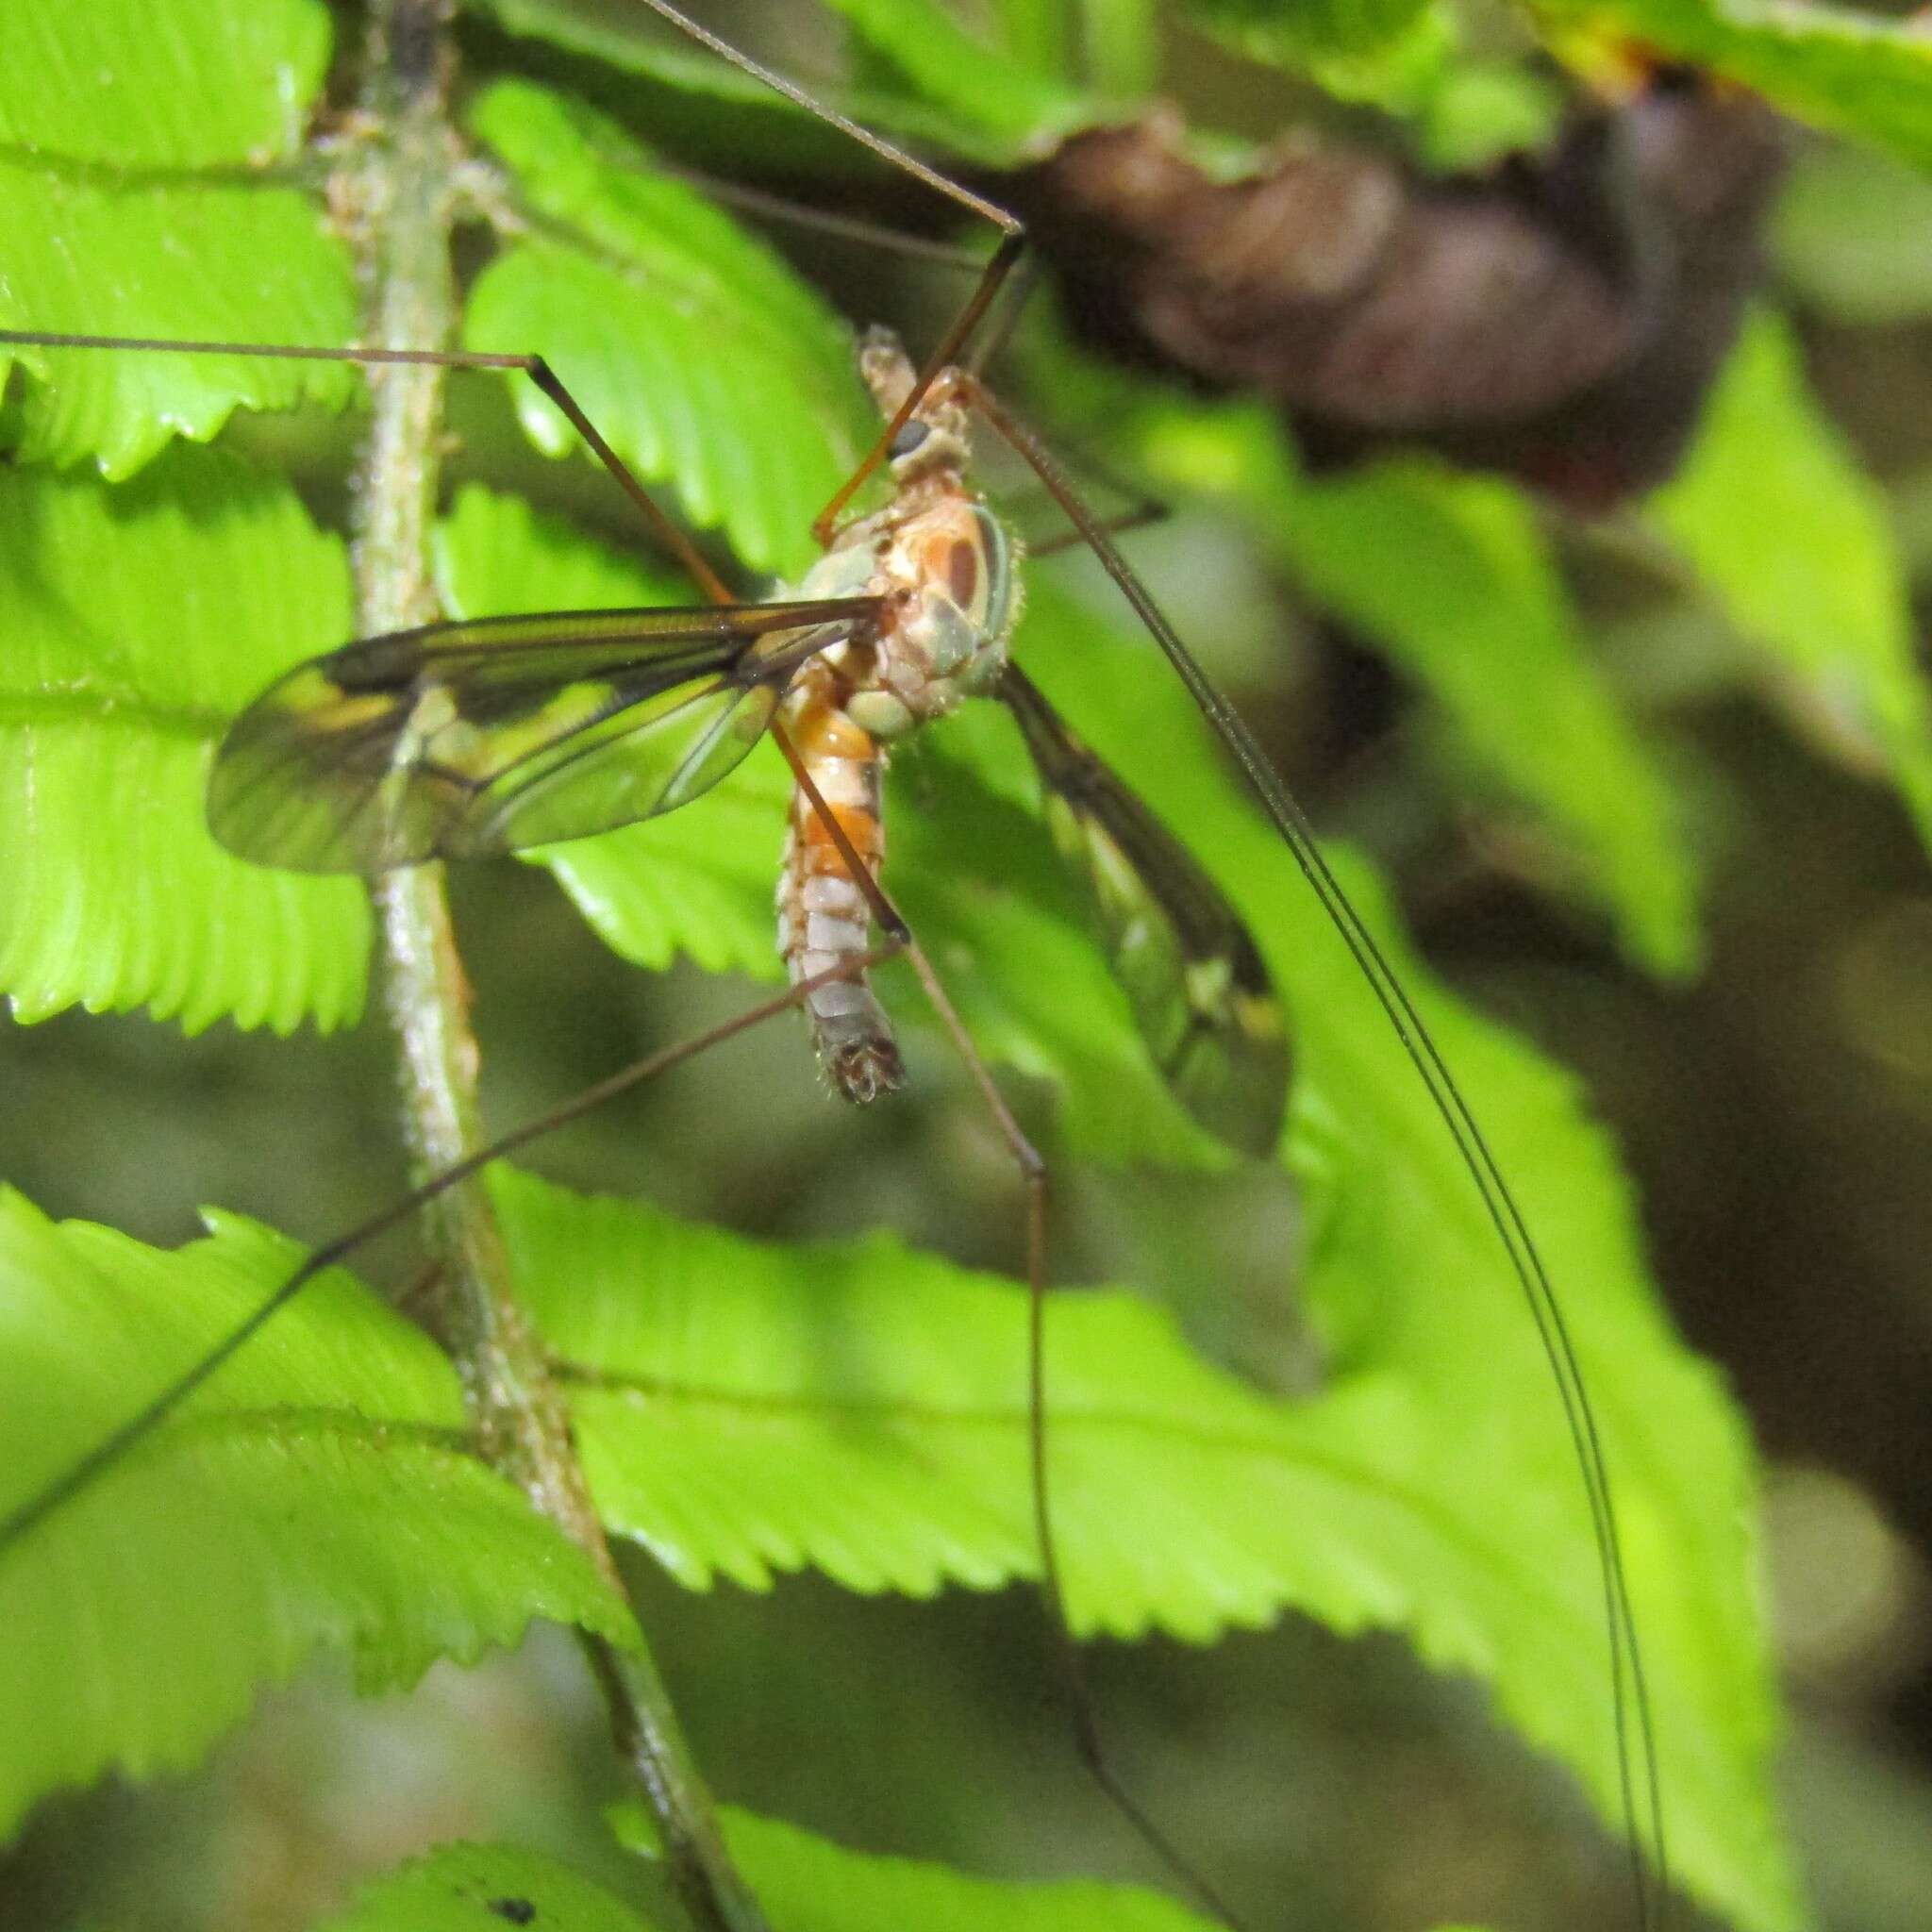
column 960, row 329
column 1142, row 514
column 540, row 372
column 777, row 208
column 1034, row 1177
column 72, row 1481
column 1644, row 1807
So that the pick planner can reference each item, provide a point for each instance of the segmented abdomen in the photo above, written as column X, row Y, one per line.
column 823, row 915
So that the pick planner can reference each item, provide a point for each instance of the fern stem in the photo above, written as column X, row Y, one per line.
column 402, row 194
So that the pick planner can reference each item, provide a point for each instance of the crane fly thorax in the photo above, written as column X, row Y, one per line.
column 947, row 573
column 945, row 565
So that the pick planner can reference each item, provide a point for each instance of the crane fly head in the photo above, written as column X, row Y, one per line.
column 932, row 441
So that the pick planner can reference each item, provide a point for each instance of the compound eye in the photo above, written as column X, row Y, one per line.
column 911, row 435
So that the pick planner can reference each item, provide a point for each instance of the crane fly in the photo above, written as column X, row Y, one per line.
column 491, row 735
column 457, row 740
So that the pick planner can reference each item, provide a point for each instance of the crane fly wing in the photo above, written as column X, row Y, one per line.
column 502, row 733
column 1199, row 992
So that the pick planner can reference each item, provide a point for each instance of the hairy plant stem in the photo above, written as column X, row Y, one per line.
column 403, row 188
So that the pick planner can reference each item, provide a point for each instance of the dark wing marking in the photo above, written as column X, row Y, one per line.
column 1199, row 991
column 502, row 733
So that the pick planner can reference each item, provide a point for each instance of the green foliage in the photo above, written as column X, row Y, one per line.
column 126, row 215
column 1462, row 107
column 117, row 685
column 980, row 88
column 1391, row 1216
column 124, row 151
column 1828, row 613
column 1853, row 236
column 809, row 1884
column 1855, row 73
column 100, row 83
column 664, row 318
column 1288, row 30
column 1472, row 113
column 464, row 1887
column 315, row 1492
column 1112, row 43
column 1455, row 576
column 748, row 1408
column 862, row 1409
column 1022, row 106
column 1452, row 573
column 805, row 1884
